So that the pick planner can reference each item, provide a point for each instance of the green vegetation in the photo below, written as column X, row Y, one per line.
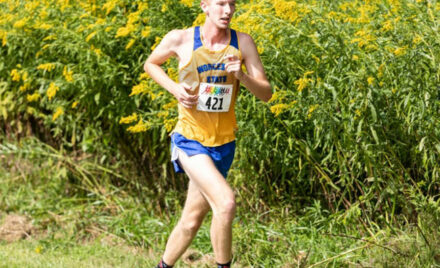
column 340, row 168
column 88, row 222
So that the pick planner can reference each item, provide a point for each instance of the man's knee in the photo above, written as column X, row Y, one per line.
column 227, row 208
column 190, row 227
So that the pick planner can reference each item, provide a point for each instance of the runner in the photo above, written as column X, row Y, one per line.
column 203, row 141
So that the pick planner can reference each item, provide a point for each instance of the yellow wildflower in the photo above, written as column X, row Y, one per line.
column 146, row 31
column 139, row 89
column 74, row 104
column 164, row 8
column 20, row 23
column 311, row 110
column 25, row 87
column 144, row 76
column 141, row 126
column 109, row 6
column 96, row 50
column 128, row 119
column 200, row 20
column 400, row 51
column 277, row 109
column 302, row 83
column 130, row 43
column 52, row 90
column 90, row 36
column 157, row 41
column 370, row 80
column 417, row 39
column 142, row 6
column 355, row 57
column 124, row 31
column 59, row 111
column 169, row 124
column 67, row 74
column 173, row 74
column 46, row 66
column 33, row 97
column 387, row 26
column 50, row 37
column 188, row 3
column 170, row 105
column 15, row 75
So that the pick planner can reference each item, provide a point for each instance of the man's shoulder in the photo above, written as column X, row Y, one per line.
column 179, row 36
column 244, row 39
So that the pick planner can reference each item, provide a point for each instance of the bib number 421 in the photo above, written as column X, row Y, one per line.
column 214, row 103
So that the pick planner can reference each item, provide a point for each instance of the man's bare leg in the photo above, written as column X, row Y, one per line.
column 213, row 186
column 195, row 209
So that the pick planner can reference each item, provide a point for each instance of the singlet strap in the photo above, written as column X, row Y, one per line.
column 197, row 39
column 234, row 39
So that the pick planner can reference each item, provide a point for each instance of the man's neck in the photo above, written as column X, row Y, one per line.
column 213, row 35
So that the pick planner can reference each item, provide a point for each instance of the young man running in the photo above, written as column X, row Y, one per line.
column 203, row 141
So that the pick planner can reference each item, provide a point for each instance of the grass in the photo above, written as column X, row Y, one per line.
column 77, row 222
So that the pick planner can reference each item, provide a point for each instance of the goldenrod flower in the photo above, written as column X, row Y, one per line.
column 370, row 80
column 128, row 119
column 15, row 75
column 170, row 124
column 302, row 83
column 400, row 51
column 277, row 109
column 157, row 41
column 52, row 90
column 25, row 87
column 143, row 6
column 417, row 39
column 67, row 74
column 188, row 3
column 33, row 97
column 46, row 66
column 311, row 110
column 20, row 23
column 173, row 74
column 59, row 111
column 164, row 8
column 109, row 6
column 96, row 50
column 90, row 36
column 141, row 126
column 355, row 57
column 74, row 104
column 130, row 44
column 144, row 76
column 124, row 31
column 200, row 20
column 146, row 31
column 139, row 89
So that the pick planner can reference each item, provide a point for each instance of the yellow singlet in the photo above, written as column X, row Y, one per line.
column 212, row 122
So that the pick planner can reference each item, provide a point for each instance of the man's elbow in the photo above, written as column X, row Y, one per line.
column 147, row 67
column 268, row 95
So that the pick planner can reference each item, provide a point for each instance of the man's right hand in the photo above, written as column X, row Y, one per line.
column 184, row 96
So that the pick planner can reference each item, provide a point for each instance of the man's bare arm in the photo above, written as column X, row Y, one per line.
column 255, row 81
column 166, row 49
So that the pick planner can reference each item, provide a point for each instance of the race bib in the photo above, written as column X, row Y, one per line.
column 214, row 97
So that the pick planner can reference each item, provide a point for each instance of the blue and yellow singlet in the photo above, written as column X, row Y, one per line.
column 212, row 122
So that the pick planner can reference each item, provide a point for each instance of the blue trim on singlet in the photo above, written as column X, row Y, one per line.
column 197, row 40
column 234, row 39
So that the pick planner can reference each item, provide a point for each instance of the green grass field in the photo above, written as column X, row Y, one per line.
column 67, row 222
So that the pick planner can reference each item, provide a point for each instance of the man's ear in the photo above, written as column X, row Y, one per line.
column 204, row 6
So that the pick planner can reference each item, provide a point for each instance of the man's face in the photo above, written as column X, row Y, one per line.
column 219, row 11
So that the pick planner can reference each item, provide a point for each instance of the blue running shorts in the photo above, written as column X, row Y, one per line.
column 221, row 155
